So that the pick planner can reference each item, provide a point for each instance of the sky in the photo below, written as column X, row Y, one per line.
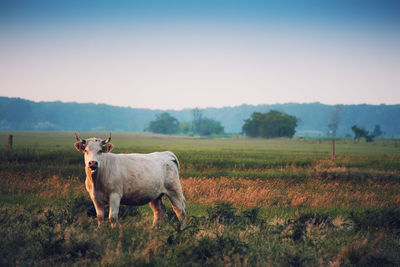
column 187, row 54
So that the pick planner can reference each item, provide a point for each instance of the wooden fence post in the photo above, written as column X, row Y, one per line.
column 333, row 149
column 10, row 142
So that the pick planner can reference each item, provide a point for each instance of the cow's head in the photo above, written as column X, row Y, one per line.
column 93, row 148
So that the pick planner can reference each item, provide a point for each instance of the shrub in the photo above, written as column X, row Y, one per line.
column 223, row 212
column 251, row 215
column 385, row 217
column 296, row 228
column 212, row 251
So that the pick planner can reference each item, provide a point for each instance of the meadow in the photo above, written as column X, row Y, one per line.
column 250, row 202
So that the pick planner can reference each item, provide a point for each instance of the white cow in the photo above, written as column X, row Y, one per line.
column 130, row 179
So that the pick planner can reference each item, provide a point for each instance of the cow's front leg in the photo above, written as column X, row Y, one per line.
column 115, row 200
column 99, row 212
column 100, row 215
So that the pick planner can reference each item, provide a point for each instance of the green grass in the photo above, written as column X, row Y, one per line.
column 47, row 218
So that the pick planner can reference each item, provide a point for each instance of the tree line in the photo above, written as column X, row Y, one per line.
column 266, row 125
column 313, row 119
column 164, row 123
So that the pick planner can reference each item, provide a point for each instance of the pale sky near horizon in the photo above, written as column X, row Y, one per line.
column 186, row 54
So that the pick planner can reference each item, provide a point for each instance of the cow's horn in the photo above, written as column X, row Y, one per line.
column 77, row 138
column 108, row 139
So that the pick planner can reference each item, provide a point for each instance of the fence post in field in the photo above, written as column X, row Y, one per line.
column 10, row 142
column 333, row 149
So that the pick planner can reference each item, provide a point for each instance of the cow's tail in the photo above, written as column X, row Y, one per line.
column 176, row 161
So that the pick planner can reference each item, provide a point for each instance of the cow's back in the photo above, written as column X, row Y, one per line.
column 170, row 166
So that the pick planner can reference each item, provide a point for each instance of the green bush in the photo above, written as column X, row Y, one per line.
column 223, row 212
column 377, row 218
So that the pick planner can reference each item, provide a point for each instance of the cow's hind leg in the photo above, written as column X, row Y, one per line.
column 178, row 204
column 158, row 209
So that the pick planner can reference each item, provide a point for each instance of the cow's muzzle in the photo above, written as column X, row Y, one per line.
column 93, row 165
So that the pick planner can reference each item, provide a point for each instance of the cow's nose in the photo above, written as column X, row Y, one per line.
column 93, row 164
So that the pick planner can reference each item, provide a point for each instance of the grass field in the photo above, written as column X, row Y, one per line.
column 256, row 202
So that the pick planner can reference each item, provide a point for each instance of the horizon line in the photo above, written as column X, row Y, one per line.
column 201, row 108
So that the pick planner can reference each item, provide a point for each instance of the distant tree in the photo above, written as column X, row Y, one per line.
column 252, row 127
column 184, row 127
column 377, row 131
column 197, row 120
column 164, row 124
column 205, row 126
column 369, row 137
column 270, row 125
column 209, row 127
column 360, row 133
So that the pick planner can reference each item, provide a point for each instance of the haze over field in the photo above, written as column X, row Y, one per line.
column 313, row 119
column 186, row 54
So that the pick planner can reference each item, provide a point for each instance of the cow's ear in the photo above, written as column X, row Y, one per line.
column 80, row 146
column 107, row 147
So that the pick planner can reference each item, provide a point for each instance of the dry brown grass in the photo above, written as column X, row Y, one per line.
column 311, row 193
column 48, row 187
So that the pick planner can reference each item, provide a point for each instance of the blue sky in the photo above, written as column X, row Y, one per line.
column 185, row 54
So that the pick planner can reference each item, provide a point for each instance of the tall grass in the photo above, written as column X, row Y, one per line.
column 224, row 236
column 315, row 193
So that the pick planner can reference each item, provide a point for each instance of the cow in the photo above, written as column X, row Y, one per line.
column 130, row 179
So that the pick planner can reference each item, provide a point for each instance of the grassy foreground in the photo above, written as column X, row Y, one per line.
column 278, row 202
